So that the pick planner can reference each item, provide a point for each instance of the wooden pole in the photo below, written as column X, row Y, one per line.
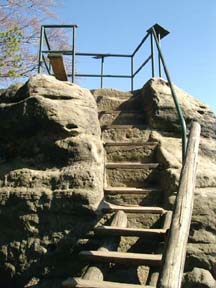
column 171, row 276
column 95, row 272
column 154, row 272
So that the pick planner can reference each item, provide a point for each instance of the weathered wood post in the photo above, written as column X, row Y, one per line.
column 173, row 265
column 95, row 273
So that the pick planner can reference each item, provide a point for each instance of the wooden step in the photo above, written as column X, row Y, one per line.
column 123, row 257
column 138, row 143
column 140, row 127
column 139, row 232
column 105, row 206
column 130, row 190
column 131, row 165
column 82, row 283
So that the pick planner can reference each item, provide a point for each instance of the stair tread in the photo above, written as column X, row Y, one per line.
column 119, row 231
column 123, row 257
column 121, row 126
column 140, row 143
column 83, row 283
column 121, row 111
column 130, row 209
column 132, row 165
column 129, row 190
column 132, row 188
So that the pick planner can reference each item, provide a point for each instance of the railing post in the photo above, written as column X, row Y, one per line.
column 73, row 54
column 178, row 108
column 152, row 55
column 49, row 48
column 132, row 69
column 102, row 69
column 40, row 58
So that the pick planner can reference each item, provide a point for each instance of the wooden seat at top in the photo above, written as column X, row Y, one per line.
column 57, row 63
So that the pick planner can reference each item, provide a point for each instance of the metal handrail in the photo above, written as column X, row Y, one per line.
column 178, row 108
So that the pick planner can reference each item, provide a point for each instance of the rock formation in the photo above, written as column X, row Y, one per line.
column 161, row 115
column 161, row 120
column 51, row 173
column 51, row 168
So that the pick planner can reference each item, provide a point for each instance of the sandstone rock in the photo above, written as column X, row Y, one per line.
column 199, row 278
column 203, row 229
column 170, row 155
column 111, row 99
column 51, row 139
column 161, row 113
column 9, row 95
column 51, row 177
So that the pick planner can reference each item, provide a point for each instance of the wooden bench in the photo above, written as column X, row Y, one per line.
column 57, row 63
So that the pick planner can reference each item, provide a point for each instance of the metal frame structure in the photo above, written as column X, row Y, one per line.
column 42, row 52
column 155, row 34
column 160, row 31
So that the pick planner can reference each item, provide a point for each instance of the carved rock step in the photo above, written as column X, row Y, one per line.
column 138, row 126
column 108, row 207
column 130, row 151
column 82, row 283
column 148, row 196
column 131, row 174
column 121, row 117
column 110, row 99
column 130, row 144
column 122, row 257
column 138, row 232
column 130, row 190
column 125, row 133
column 131, row 165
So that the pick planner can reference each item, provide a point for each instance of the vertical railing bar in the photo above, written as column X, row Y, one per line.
column 49, row 48
column 152, row 55
column 132, row 69
column 40, row 49
column 102, row 70
column 73, row 55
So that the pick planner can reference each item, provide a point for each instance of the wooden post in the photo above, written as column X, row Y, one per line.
column 95, row 272
column 173, row 266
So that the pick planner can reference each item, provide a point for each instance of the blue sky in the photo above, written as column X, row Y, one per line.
column 117, row 26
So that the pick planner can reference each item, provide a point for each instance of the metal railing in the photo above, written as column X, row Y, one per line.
column 44, row 42
column 178, row 108
column 154, row 34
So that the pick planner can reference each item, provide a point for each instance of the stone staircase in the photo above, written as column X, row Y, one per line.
column 132, row 252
